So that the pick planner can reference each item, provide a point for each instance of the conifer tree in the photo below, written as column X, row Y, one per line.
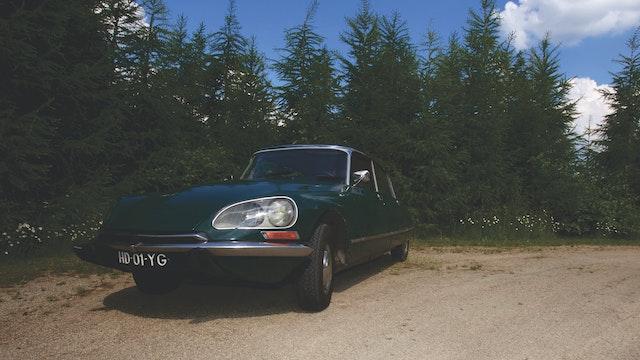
column 363, row 39
column 241, row 102
column 482, row 125
column 434, row 166
column 151, row 40
column 198, row 74
column 56, row 108
column 620, row 141
column 152, row 104
column 398, row 92
column 255, row 115
column 229, row 49
column 308, row 93
column 176, row 49
column 123, row 21
column 551, row 149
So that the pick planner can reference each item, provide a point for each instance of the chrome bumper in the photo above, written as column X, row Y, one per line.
column 223, row 248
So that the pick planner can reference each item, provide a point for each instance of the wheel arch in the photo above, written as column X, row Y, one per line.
column 338, row 226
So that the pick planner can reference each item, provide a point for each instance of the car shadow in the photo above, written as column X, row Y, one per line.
column 358, row 274
column 202, row 303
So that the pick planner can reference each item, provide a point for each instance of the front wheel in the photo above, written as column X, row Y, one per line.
column 315, row 285
column 156, row 283
column 401, row 252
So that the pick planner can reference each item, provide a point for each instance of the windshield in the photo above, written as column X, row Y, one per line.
column 315, row 165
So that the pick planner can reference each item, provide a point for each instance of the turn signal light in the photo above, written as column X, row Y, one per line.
column 280, row 235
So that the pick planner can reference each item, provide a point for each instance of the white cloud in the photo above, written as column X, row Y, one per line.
column 568, row 21
column 591, row 105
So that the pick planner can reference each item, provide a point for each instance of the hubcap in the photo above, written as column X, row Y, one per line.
column 327, row 268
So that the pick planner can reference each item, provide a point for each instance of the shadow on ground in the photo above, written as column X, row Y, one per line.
column 202, row 303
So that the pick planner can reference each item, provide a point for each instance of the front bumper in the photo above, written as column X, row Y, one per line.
column 260, row 262
column 224, row 248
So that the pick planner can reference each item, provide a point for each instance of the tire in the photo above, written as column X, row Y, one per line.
column 156, row 283
column 401, row 252
column 314, row 287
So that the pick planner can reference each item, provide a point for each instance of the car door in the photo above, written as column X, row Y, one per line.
column 388, row 221
column 393, row 215
column 366, row 210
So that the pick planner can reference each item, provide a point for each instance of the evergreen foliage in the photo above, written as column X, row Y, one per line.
column 309, row 86
column 106, row 97
column 241, row 101
column 620, row 157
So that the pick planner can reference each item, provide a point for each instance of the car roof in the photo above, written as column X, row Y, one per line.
column 346, row 149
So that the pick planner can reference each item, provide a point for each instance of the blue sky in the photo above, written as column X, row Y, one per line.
column 591, row 33
column 266, row 20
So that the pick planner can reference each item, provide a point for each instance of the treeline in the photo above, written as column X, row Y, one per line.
column 101, row 98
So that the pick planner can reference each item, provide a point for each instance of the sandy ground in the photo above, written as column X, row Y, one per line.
column 454, row 303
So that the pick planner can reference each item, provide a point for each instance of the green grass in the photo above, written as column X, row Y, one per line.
column 15, row 271
column 522, row 242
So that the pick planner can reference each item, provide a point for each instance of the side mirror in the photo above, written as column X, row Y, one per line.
column 361, row 176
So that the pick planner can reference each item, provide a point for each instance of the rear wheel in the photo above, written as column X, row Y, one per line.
column 315, row 285
column 156, row 283
column 401, row 252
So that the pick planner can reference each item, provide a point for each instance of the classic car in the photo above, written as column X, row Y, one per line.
column 299, row 213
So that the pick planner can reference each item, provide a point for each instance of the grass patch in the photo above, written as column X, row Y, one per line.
column 20, row 270
column 82, row 291
column 521, row 242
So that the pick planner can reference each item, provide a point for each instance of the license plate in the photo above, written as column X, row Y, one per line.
column 142, row 259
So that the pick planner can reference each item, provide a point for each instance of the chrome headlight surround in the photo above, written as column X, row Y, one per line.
column 257, row 214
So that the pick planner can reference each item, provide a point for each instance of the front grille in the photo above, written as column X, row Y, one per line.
column 131, row 239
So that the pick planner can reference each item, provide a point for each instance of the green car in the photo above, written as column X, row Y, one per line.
column 299, row 213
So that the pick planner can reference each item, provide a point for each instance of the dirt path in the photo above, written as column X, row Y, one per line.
column 552, row 303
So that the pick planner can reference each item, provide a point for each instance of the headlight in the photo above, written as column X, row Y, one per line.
column 264, row 213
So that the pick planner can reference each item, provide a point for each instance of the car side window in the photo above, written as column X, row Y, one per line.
column 393, row 192
column 360, row 162
column 380, row 175
column 384, row 183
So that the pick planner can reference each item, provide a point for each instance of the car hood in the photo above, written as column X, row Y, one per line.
column 183, row 211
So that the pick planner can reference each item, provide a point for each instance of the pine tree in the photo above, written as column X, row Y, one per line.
column 229, row 48
column 540, row 139
column 176, row 53
column 202, row 73
column 241, row 102
column 399, row 84
column 56, row 121
column 434, row 167
column 192, row 70
column 620, row 142
column 181, row 73
column 308, row 94
column 382, row 96
column 136, row 34
column 123, row 21
column 363, row 39
column 150, row 49
column 255, row 107
column 152, row 104
column 482, row 125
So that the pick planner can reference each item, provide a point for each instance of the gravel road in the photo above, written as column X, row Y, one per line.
column 443, row 303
